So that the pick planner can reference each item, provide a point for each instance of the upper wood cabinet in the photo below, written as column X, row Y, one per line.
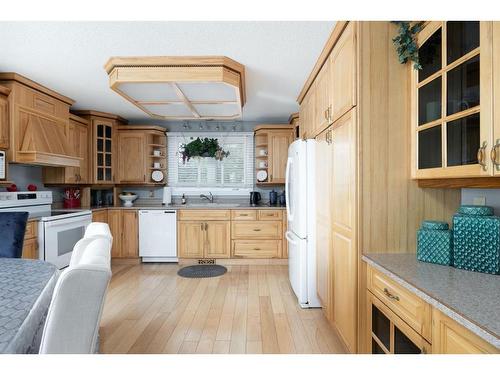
column 495, row 148
column 79, row 145
column 103, row 145
column 4, row 118
column 38, row 124
column 137, row 158
column 452, row 105
column 271, row 151
column 333, row 91
column 342, row 65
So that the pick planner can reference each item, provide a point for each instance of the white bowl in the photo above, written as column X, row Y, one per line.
column 128, row 199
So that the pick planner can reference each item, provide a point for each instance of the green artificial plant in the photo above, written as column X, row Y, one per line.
column 203, row 148
column 406, row 44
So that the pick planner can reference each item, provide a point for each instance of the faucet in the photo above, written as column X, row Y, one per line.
column 210, row 198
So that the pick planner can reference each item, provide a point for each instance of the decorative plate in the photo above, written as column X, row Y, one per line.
column 261, row 176
column 157, row 176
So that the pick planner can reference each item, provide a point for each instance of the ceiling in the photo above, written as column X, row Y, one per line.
column 69, row 57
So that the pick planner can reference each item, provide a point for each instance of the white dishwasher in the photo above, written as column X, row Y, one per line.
column 158, row 235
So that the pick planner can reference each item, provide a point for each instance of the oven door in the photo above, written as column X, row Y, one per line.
column 58, row 237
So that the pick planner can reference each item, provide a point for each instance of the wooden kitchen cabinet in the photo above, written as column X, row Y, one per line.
column 342, row 77
column 452, row 105
column 4, row 118
column 324, row 251
column 449, row 337
column 100, row 216
column 30, row 244
column 103, row 148
column 136, row 157
column 191, row 239
column 322, row 100
column 495, row 150
column 124, row 228
column 388, row 333
column 217, row 239
column 79, row 145
column 307, row 113
column 38, row 123
column 271, row 149
column 204, row 239
column 344, row 248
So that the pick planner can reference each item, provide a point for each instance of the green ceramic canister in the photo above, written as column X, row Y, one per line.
column 434, row 242
column 476, row 239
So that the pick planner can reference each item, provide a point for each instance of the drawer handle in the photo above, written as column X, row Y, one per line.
column 243, row 214
column 256, row 248
column 390, row 295
column 256, row 230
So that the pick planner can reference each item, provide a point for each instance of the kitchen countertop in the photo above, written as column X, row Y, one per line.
column 196, row 206
column 470, row 298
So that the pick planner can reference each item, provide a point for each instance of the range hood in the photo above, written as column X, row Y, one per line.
column 180, row 88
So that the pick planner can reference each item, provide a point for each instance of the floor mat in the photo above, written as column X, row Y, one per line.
column 199, row 271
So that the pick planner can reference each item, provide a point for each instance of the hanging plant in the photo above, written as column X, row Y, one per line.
column 406, row 44
column 203, row 148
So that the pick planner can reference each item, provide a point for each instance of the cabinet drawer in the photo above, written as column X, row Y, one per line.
column 31, row 230
column 256, row 249
column 270, row 214
column 204, row 215
column 413, row 310
column 244, row 215
column 270, row 230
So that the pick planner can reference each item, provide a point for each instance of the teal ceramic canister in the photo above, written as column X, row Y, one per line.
column 434, row 242
column 476, row 239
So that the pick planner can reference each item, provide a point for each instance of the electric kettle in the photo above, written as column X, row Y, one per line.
column 255, row 197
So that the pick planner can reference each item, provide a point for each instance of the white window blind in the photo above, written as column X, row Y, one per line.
column 234, row 171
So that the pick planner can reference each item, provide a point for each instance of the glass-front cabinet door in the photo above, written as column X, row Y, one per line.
column 103, row 151
column 388, row 334
column 452, row 101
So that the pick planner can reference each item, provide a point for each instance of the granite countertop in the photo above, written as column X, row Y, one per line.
column 470, row 298
column 196, row 205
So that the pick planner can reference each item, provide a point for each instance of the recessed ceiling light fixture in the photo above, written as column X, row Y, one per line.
column 180, row 88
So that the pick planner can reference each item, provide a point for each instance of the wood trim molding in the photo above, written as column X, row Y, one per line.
column 323, row 57
column 273, row 127
column 10, row 76
column 143, row 127
column 456, row 183
column 4, row 90
column 293, row 117
column 99, row 114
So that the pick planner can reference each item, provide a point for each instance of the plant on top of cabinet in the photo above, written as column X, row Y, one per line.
column 405, row 43
column 452, row 101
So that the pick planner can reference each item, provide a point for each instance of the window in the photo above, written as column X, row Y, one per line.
column 232, row 173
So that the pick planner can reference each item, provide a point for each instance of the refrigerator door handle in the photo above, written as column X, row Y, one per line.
column 289, row 237
column 287, row 189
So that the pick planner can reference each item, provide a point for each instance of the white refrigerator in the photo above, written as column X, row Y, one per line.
column 301, row 234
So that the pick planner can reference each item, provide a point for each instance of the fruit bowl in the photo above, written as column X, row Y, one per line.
column 128, row 199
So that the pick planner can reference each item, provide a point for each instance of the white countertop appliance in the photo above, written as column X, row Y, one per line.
column 2, row 165
column 58, row 230
column 301, row 234
column 158, row 235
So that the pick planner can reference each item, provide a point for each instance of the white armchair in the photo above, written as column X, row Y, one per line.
column 72, row 324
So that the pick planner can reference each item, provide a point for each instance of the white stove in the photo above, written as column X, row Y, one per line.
column 58, row 230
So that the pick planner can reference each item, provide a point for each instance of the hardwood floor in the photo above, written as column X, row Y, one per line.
column 250, row 309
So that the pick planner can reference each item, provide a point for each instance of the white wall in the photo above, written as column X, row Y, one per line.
column 492, row 197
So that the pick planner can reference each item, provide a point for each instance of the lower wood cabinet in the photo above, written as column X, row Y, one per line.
column 449, row 337
column 30, row 244
column 124, row 227
column 100, row 216
column 399, row 322
column 256, row 249
column 204, row 239
column 388, row 333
